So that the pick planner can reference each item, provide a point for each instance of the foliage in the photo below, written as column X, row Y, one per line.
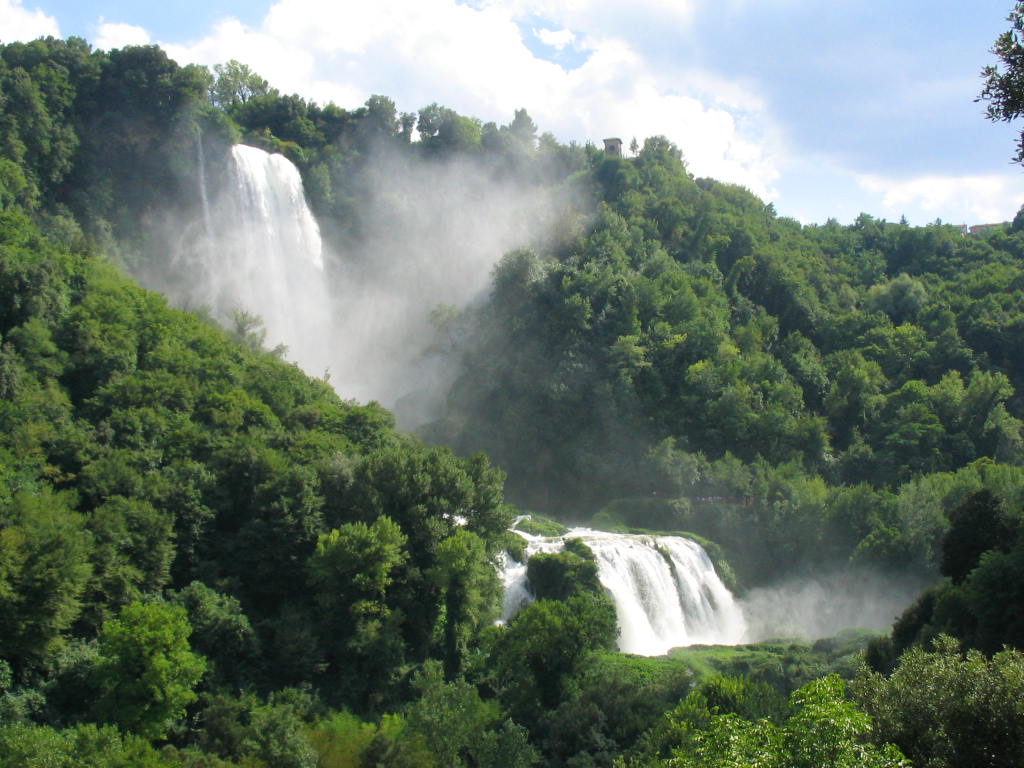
column 784, row 666
column 1002, row 89
column 235, row 83
column 824, row 730
column 737, row 370
column 145, row 456
column 26, row 746
column 615, row 702
column 976, row 527
column 341, row 740
column 982, row 603
column 145, row 670
column 43, row 572
column 471, row 592
column 945, row 708
column 534, row 660
column 221, row 633
column 255, row 732
column 540, row 526
column 560, row 575
column 460, row 728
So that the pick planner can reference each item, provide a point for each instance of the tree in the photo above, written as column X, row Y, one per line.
column 234, row 83
column 252, row 732
column 43, row 571
column 341, row 739
column 975, row 527
column 277, row 734
column 29, row 746
column 430, row 119
column 443, row 131
column 1004, row 85
column 946, row 709
column 352, row 572
column 524, row 130
column 560, row 575
column 825, row 731
column 381, row 119
column 429, row 493
column 995, row 597
column 461, row 728
column 536, row 657
column 354, row 565
column 133, row 548
column 146, row 672
column 472, row 594
column 221, row 632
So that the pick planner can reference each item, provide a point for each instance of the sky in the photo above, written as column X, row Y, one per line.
column 826, row 108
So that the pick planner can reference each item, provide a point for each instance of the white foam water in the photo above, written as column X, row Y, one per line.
column 665, row 589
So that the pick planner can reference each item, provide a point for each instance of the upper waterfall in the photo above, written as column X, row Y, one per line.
column 261, row 253
column 665, row 589
column 271, row 195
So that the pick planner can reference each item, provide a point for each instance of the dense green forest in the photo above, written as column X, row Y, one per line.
column 208, row 558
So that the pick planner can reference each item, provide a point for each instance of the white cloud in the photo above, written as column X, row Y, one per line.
column 954, row 199
column 17, row 23
column 289, row 66
column 474, row 60
column 600, row 18
column 113, row 35
column 556, row 38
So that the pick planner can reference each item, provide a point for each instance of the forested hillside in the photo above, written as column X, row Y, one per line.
column 827, row 391
column 208, row 558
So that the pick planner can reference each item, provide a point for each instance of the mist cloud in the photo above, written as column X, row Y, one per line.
column 430, row 234
column 820, row 606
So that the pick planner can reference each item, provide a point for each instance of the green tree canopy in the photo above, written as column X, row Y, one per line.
column 44, row 568
column 1004, row 82
column 235, row 83
column 948, row 709
column 824, row 731
column 146, row 671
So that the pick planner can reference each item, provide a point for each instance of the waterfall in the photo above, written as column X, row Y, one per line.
column 263, row 255
column 204, row 196
column 665, row 590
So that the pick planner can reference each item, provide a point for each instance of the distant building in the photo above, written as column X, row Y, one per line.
column 613, row 147
column 983, row 229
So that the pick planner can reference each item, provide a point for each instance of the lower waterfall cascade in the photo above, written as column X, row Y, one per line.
column 665, row 589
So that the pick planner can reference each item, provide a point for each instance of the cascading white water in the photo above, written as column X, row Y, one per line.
column 263, row 255
column 270, row 188
column 204, row 196
column 665, row 589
